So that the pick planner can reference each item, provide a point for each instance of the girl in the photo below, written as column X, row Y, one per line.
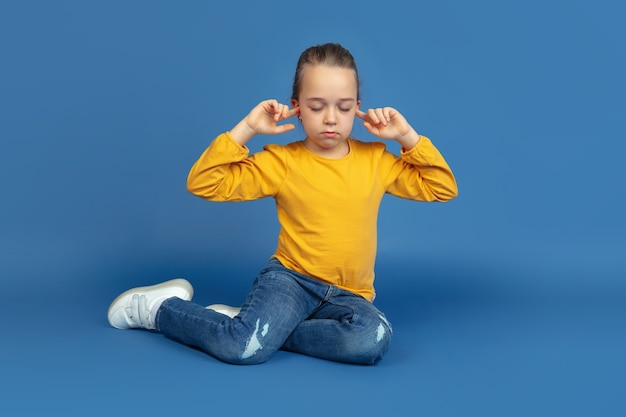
column 315, row 294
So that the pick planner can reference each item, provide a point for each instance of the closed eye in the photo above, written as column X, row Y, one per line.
column 317, row 109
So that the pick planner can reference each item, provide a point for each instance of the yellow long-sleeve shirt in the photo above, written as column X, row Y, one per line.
column 327, row 208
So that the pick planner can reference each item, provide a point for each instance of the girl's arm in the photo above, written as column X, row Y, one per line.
column 422, row 173
column 225, row 172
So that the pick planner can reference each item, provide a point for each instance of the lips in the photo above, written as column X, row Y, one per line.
column 330, row 134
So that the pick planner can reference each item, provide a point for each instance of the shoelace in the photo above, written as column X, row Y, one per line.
column 139, row 311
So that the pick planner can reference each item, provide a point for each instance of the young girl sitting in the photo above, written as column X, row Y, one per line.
column 315, row 295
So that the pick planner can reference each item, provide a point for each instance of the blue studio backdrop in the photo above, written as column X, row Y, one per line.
column 508, row 301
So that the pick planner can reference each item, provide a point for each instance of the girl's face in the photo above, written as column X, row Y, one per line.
column 328, row 104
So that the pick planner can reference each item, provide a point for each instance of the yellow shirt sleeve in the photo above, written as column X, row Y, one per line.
column 420, row 174
column 224, row 172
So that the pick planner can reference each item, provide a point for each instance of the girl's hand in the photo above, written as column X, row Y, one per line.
column 263, row 119
column 388, row 123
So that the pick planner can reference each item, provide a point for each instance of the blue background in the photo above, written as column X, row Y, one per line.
column 508, row 301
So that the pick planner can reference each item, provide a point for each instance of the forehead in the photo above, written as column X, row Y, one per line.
column 326, row 81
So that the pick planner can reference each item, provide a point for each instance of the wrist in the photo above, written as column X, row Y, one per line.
column 409, row 139
column 242, row 132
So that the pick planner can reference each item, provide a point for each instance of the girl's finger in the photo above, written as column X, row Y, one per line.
column 290, row 112
column 268, row 107
column 278, row 112
column 373, row 117
column 387, row 113
column 284, row 128
column 361, row 114
column 381, row 116
column 286, row 112
column 278, row 109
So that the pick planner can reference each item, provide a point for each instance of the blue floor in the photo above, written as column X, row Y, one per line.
column 465, row 343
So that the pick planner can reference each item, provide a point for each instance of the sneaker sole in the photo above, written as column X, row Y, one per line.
column 224, row 309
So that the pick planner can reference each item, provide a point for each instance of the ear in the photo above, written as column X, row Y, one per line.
column 295, row 104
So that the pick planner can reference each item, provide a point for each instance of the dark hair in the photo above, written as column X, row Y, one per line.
column 330, row 54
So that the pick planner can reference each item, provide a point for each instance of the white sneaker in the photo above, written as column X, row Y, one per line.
column 137, row 307
column 224, row 309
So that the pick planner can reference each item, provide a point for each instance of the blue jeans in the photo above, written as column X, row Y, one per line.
column 284, row 310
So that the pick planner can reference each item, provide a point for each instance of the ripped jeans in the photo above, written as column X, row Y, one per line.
column 284, row 310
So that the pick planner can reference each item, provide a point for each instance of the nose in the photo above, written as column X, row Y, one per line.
column 330, row 116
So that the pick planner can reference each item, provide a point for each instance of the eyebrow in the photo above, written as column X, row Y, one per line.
column 341, row 100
